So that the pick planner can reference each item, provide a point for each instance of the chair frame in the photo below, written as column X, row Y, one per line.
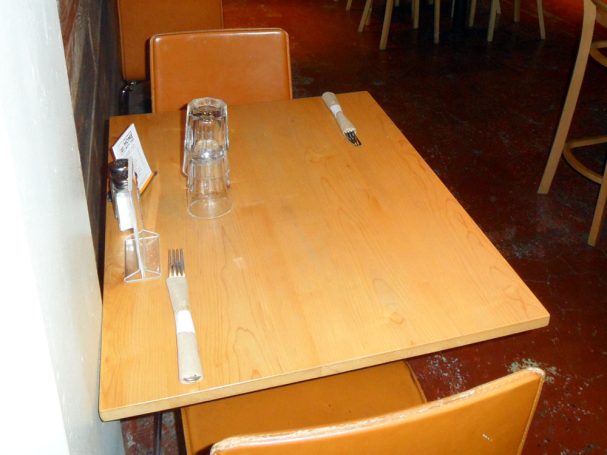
column 383, row 42
column 594, row 12
column 495, row 6
column 412, row 417
column 496, row 9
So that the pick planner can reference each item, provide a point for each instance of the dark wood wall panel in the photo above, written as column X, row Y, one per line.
column 90, row 38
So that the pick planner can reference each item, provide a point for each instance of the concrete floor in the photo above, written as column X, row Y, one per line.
column 483, row 116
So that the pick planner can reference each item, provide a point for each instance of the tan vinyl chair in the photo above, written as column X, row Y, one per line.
column 379, row 410
column 237, row 65
column 595, row 11
column 139, row 20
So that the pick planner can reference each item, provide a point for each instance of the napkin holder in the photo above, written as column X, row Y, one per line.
column 142, row 247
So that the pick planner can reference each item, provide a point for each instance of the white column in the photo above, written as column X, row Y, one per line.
column 50, row 304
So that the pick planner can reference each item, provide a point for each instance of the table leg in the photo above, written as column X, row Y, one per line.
column 157, row 432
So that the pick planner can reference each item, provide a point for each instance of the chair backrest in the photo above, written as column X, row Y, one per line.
column 139, row 20
column 490, row 419
column 237, row 65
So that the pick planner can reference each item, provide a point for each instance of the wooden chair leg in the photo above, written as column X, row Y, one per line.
column 517, row 11
column 492, row 14
column 499, row 7
column 472, row 13
column 348, row 5
column 572, row 96
column 540, row 18
column 415, row 13
column 596, row 54
column 436, row 21
column 599, row 178
column 599, row 212
column 386, row 27
column 366, row 13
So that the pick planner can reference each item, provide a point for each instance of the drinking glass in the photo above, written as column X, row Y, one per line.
column 207, row 188
column 206, row 132
column 205, row 158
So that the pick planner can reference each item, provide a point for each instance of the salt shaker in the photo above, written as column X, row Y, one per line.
column 121, row 196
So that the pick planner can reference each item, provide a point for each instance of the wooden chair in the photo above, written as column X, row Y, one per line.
column 495, row 9
column 349, row 4
column 595, row 11
column 472, row 12
column 237, row 65
column 138, row 20
column 379, row 410
column 383, row 42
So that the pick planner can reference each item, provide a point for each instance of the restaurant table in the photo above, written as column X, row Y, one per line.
column 333, row 258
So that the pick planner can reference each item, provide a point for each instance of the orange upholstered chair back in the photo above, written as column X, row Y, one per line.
column 490, row 419
column 138, row 20
column 237, row 65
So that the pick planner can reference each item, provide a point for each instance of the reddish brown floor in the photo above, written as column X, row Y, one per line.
column 483, row 116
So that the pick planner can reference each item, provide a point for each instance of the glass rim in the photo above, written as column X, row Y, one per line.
column 207, row 101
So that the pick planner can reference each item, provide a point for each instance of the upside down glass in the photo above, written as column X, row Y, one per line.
column 206, row 131
column 206, row 158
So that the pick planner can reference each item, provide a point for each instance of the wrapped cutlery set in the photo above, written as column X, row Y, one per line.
column 345, row 125
column 190, row 369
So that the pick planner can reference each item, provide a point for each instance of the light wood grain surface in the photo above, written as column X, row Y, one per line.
column 333, row 258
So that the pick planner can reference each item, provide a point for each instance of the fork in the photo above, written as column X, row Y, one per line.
column 353, row 138
column 345, row 125
column 190, row 369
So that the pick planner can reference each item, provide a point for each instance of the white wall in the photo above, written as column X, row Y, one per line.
column 50, row 304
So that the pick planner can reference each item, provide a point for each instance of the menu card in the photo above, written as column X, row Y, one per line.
column 128, row 146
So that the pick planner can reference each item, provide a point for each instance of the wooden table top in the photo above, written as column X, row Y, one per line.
column 333, row 258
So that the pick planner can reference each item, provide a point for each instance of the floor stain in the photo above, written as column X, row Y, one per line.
column 551, row 371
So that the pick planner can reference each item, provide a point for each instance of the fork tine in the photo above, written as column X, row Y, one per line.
column 353, row 138
column 176, row 262
column 170, row 262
